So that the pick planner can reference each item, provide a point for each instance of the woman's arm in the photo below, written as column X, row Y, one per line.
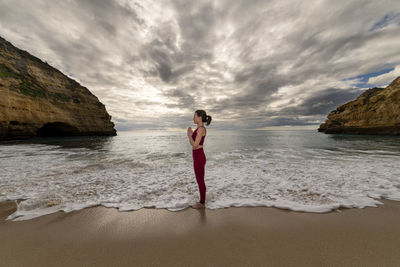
column 195, row 143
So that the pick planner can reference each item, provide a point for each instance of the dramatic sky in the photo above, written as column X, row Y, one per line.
column 249, row 64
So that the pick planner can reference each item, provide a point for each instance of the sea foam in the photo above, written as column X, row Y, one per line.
column 52, row 178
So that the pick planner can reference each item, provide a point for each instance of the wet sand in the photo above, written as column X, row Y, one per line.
column 237, row 236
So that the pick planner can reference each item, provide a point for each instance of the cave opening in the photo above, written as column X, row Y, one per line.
column 57, row 129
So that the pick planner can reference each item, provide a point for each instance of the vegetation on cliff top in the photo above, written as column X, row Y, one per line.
column 26, row 87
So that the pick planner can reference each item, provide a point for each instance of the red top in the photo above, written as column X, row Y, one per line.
column 202, row 138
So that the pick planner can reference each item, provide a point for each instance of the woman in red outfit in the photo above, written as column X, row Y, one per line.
column 196, row 139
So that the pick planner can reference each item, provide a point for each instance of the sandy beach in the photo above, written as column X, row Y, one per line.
column 237, row 236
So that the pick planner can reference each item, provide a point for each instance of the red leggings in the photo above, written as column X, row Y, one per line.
column 199, row 162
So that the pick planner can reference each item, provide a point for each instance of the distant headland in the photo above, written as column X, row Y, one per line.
column 38, row 100
column 376, row 111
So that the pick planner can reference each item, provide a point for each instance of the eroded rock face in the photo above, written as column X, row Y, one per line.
column 376, row 111
column 38, row 100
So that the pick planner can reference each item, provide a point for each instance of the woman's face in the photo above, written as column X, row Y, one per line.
column 195, row 118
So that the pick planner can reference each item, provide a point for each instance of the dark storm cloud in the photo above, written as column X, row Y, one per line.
column 196, row 21
column 177, row 66
column 321, row 104
column 308, row 53
column 184, row 99
column 249, row 63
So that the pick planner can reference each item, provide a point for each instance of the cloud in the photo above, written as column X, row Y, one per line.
column 386, row 78
column 247, row 63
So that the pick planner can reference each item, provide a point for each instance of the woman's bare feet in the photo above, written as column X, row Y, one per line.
column 198, row 205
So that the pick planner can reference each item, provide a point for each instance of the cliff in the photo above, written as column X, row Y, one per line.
column 376, row 111
column 38, row 100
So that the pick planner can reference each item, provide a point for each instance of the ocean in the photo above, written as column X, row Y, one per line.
column 299, row 170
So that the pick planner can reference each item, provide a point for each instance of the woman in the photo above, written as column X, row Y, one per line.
column 196, row 139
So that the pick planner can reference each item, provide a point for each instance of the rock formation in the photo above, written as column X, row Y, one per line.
column 38, row 100
column 376, row 111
